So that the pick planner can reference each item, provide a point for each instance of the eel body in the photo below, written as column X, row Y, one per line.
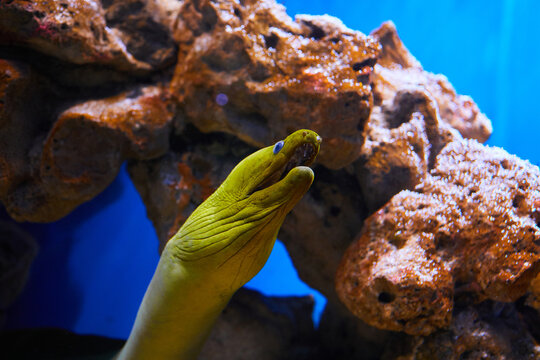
column 220, row 247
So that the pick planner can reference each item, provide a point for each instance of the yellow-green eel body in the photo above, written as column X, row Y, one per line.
column 220, row 247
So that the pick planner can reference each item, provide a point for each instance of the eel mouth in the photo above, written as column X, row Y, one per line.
column 303, row 155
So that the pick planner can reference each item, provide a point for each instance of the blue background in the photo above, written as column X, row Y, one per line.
column 95, row 264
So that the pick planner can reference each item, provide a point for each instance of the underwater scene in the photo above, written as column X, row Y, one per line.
column 272, row 179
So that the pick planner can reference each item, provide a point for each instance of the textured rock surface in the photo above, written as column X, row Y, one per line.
column 277, row 75
column 489, row 331
column 397, row 70
column 26, row 106
column 257, row 327
column 403, row 135
column 83, row 151
column 322, row 225
column 470, row 226
column 244, row 68
column 129, row 36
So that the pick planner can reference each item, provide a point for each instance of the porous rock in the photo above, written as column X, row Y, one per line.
column 490, row 330
column 83, row 151
column 405, row 132
column 397, row 69
column 469, row 226
column 130, row 36
column 246, row 68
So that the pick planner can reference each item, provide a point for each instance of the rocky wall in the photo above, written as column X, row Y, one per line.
column 436, row 228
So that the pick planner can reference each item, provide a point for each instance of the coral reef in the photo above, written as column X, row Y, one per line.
column 440, row 230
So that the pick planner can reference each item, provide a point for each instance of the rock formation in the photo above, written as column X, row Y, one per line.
column 277, row 75
column 440, row 230
column 468, row 226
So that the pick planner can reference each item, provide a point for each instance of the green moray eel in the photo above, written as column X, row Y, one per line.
column 220, row 247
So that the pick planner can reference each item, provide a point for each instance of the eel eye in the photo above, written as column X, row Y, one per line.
column 278, row 146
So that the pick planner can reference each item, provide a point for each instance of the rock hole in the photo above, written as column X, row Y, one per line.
column 334, row 210
column 209, row 18
column 317, row 32
column 362, row 64
column 271, row 41
column 473, row 189
column 237, row 13
column 64, row 26
column 386, row 297
column 518, row 201
column 397, row 241
column 443, row 241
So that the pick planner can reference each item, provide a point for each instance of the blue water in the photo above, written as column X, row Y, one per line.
column 95, row 264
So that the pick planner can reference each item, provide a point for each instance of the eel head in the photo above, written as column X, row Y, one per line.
column 229, row 237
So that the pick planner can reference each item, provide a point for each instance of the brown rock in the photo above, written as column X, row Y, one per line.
column 25, row 111
column 398, row 70
column 144, row 26
column 83, row 151
column 265, row 328
column 322, row 225
column 469, row 227
column 132, row 36
column 172, row 186
column 402, row 141
column 491, row 330
column 246, row 68
column 403, row 136
column 534, row 296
